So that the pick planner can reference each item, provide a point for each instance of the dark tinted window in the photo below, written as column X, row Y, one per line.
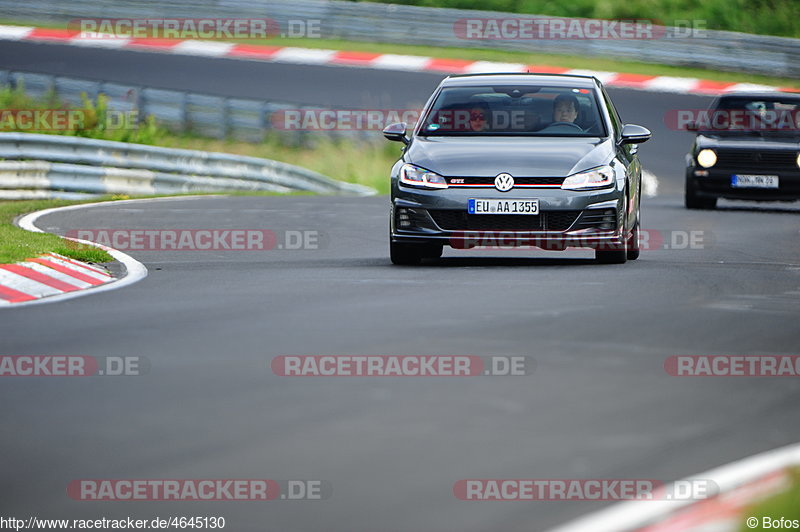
column 514, row 111
column 616, row 121
column 758, row 115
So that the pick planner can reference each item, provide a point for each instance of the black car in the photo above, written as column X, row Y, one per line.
column 517, row 160
column 747, row 148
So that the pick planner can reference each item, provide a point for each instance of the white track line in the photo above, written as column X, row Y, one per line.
column 135, row 270
column 632, row 515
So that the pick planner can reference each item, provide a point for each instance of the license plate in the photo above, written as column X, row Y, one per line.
column 502, row 206
column 754, row 181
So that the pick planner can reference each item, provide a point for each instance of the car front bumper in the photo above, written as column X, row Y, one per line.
column 567, row 218
column 716, row 183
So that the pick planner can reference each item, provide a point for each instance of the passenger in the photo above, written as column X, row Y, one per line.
column 478, row 118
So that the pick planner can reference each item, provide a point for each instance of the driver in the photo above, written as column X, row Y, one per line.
column 565, row 108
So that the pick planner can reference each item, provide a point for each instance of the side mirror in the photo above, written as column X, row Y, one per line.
column 396, row 132
column 633, row 134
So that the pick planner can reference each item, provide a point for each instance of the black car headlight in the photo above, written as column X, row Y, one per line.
column 417, row 176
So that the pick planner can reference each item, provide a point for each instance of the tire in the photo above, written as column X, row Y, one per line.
column 433, row 251
column 632, row 246
column 693, row 201
column 614, row 256
column 411, row 254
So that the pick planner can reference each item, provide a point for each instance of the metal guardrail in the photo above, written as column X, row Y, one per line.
column 393, row 23
column 60, row 166
column 207, row 115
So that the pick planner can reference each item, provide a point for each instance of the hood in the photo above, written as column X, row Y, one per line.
column 749, row 142
column 520, row 157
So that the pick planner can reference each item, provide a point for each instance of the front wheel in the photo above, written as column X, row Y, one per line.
column 614, row 256
column 693, row 201
column 633, row 248
column 410, row 254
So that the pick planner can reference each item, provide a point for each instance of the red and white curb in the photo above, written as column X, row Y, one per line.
column 52, row 277
column 47, row 275
column 741, row 484
column 409, row 63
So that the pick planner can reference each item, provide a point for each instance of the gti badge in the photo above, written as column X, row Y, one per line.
column 504, row 182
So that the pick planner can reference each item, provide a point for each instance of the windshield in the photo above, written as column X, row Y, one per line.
column 778, row 115
column 514, row 111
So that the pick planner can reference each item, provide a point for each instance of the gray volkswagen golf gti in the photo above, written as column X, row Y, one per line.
column 510, row 160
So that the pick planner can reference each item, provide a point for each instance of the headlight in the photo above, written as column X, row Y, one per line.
column 798, row 159
column 419, row 177
column 595, row 178
column 706, row 158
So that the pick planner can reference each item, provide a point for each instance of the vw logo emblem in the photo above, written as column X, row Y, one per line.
column 504, row 182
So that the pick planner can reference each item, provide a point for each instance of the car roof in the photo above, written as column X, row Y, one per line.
column 767, row 95
column 559, row 80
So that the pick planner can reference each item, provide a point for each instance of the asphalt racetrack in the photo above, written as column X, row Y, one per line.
column 599, row 403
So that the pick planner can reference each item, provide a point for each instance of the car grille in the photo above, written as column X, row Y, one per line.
column 517, row 180
column 757, row 159
column 451, row 220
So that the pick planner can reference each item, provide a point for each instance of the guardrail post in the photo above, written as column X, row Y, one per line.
column 52, row 91
column 227, row 122
column 265, row 119
column 184, row 105
column 140, row 103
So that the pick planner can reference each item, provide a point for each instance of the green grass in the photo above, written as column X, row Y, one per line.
column 18, row 244
column 91, row 119
column 768, row 17
column 529, row 58
column 360, row 162
column 786, row 505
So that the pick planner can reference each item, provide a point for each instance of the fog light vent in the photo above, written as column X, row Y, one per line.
column 403, row 218
column 608, row 219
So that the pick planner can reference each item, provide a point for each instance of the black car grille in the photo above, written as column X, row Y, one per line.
column 451, row 220
column 466, row 181
column 757, row 159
